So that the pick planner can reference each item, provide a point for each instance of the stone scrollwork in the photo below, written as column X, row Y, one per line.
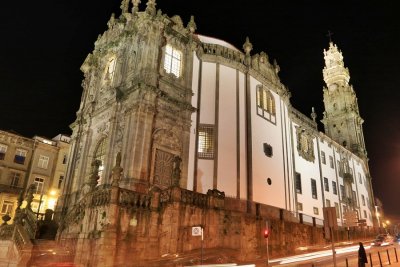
column 305, row 144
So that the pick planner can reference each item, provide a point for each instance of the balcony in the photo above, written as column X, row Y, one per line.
column 6, row 188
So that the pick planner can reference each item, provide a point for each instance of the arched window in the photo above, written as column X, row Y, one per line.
column 266, row 104
column 99, row 155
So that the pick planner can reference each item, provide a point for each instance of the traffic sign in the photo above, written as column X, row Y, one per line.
column 196, row 231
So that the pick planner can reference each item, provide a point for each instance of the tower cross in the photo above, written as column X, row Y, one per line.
column 329, row 35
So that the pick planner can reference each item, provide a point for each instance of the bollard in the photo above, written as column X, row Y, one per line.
column 387, row 251
column 347, row 262
column 380, row 261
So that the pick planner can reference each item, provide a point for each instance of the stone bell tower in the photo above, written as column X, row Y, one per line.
column 342, row 119
column 136, row 101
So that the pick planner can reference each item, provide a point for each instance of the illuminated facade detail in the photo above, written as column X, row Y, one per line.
column 180, row 95
column 172, row 61
column 266, row 104
column 110, row 69
column 305, row 144
column 206, row 141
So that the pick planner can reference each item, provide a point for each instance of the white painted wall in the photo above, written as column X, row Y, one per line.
column 263, row 131
column 192, row 144
column 227, row 132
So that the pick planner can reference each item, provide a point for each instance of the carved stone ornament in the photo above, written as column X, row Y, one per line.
column 305, row 144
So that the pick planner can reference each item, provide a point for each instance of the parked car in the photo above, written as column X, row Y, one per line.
column 383, row 240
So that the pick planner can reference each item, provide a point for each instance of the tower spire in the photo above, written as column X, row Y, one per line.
column 151, row 7
column 342, row 120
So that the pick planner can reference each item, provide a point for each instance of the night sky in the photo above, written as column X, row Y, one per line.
column 44, row 43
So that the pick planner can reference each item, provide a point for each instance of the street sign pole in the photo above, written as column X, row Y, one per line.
column 202, row 238
column 333, row 246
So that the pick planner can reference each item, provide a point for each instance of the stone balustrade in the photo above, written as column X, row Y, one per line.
column 133, row 199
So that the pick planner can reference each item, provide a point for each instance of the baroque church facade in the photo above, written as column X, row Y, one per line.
column 181, row 110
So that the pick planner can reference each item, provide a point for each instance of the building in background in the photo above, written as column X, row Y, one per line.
column 25, row 161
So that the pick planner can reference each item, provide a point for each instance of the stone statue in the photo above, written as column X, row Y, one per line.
column 117, row 170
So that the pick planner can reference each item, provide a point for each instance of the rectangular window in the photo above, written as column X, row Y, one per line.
column 60, row 180
column 15, row 178
column 326, row 184
column 298, row 183
column 337, row 210
column 316, row 211
column 323, row 159
column 20, row 156
column 314, row 188
column 328, row 203
column 43, row 162
column 299, row 206
column 363, row 200
column 265, row 104
column 365, row 214
column 64, row 159
column 334, row 188
column 340, row 173
column 39, row 183
column 7, row 207
column 343, row 193
column 3, row 150
column 331, row 161
column 206, row 141
column 172, row 60
column 344, row 208
column 355, row 198
column 359, row 178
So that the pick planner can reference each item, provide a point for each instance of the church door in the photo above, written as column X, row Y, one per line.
column 163, row 167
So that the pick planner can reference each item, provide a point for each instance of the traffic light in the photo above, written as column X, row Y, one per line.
column 266, row 233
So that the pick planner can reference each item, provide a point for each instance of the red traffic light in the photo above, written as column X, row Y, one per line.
column 266, row 233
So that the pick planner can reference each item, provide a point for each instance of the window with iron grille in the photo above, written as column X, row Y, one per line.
column 206, row 141
column 314, row 188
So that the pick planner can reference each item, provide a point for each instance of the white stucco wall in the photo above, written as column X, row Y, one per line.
column 264, row 167
column 227, row 132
